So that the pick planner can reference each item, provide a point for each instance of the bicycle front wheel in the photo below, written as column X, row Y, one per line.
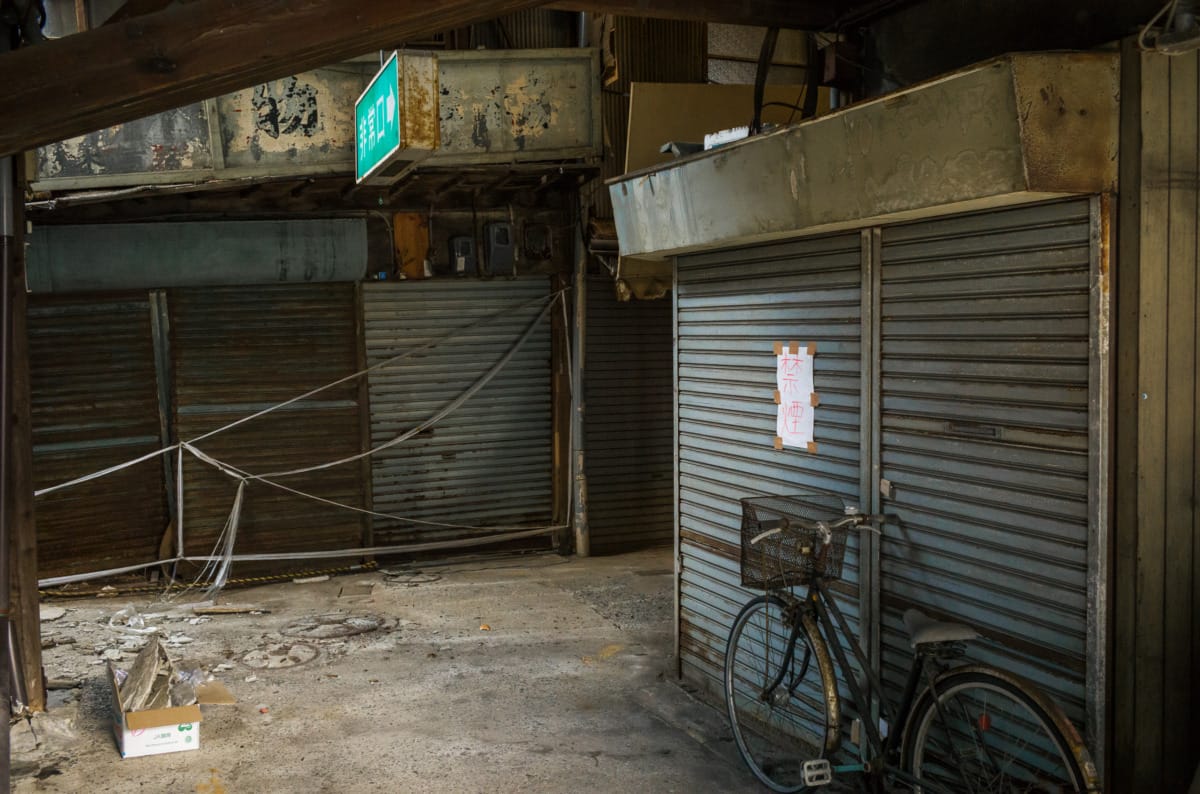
column 982, row 732
column 773, row 692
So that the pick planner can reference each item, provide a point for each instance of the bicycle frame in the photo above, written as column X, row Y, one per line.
column 830, row 619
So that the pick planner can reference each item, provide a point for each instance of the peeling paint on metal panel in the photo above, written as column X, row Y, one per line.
column 523, row 104
column 305, row 119
column 173, row 141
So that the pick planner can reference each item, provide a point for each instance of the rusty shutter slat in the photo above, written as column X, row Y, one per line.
column 95, row 404
column 629, row 427
column 238, row 350
column 489, row 462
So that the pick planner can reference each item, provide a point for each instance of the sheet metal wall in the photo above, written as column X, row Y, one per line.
column 489, row 463
column 238, row 350
column 629, row 425
column 646, row 51
column 95, row 404
column 984, row 418
column 731, row 308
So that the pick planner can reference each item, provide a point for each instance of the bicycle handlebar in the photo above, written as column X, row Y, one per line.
column 826, row 528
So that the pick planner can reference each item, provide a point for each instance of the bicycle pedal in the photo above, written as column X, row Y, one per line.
column 817, row 773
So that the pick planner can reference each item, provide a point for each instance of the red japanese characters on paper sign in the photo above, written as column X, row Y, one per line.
column 794, row 381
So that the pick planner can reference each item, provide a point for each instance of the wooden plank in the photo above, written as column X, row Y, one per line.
column 24, row 613
column 1123, row 691
column 1194, row 676
column 1152, row 429
column 187, row 53
column 801, row 14
column 1181, row 401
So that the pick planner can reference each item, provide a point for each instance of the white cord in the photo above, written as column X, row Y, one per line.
column 1169, row 12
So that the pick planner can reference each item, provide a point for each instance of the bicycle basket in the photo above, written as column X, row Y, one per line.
column 790, row 557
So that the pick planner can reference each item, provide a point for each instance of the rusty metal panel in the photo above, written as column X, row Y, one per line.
column 628, row 425
column 420, row 91
column 95, row 404
column 985, row 437
column 487, row 464
column 518, row 104
column 732, row 306
column 304, row 120
column 238, row 350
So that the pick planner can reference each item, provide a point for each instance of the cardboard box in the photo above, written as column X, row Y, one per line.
column 165, row 730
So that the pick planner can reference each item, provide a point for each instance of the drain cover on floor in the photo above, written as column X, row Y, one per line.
column 324, row 627
column 286, row 654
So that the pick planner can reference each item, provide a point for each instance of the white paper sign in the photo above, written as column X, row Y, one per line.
column 794, row 380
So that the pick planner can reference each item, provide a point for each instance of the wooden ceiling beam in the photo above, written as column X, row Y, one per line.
column 190, row 52
column 801, row 14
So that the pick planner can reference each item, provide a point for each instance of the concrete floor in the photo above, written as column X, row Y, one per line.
column 568, row 689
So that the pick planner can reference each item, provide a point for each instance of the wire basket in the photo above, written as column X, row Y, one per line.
column 790, row 557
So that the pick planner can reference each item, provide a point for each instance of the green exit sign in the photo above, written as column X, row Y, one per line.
column 377, row 122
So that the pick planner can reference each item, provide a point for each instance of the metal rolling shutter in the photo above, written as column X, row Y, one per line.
column 984, row 379
column 629, row 422
column 95, row 404
column 489, row 462
column 238, row 350
column 732, row 306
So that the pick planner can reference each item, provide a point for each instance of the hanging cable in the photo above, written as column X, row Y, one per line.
column 766, row 54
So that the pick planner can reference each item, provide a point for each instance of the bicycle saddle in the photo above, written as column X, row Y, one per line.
column 923, row 630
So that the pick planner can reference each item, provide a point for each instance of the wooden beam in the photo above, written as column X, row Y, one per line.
column 802, row 14
column 187, row 53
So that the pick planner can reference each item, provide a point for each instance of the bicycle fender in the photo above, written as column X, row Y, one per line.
column 1091, row 776
column 829, row 684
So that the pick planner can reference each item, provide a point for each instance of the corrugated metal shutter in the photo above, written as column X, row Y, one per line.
column 488, row 463
column 238, row 350
column 732, row 307
column 985, row 327
column 629, row 424
column 95, row 404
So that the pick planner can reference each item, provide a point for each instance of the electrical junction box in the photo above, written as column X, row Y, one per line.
column 463, row 259
column 501, row 249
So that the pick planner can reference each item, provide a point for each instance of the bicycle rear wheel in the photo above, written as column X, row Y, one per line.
column 982, row 732
column 773, row 693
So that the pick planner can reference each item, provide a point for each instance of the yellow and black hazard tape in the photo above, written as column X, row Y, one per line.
column 242, row 581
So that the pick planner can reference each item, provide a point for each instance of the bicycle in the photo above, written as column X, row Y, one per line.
column 973, row 728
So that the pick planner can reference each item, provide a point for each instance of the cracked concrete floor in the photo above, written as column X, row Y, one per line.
column 532, row 673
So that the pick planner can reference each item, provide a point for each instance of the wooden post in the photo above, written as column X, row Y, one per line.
column 24, row 610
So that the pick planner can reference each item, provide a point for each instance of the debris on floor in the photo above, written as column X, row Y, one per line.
column 49, row 613
column 156, row 703
column 229, row 609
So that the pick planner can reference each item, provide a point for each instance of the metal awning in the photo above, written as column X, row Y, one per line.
column 1017, row 128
